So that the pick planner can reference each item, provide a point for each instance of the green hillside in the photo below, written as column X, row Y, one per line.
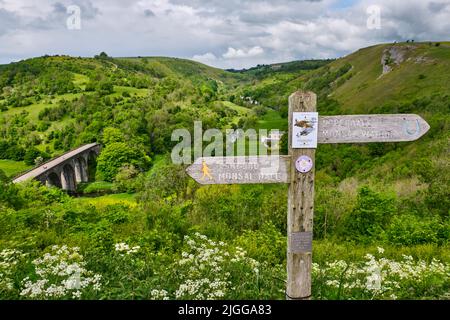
column 147, row 231
column 355, row 84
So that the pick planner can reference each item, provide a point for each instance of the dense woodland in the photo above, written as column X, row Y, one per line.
column 142, row 229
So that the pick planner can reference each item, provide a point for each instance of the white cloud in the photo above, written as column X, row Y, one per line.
column 243, row 53
column 207, row 58
column 227, row 34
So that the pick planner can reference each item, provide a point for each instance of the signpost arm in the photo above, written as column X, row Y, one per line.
column 300, row 209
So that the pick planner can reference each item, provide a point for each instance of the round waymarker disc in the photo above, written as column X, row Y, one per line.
column 303, row 164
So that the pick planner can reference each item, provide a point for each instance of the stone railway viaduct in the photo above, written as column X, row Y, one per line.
column 66, row 170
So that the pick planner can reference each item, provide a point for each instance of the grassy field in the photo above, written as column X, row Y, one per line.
column 272, row 120
column 12, row 168
column 96, row 187
column 231, row 105
column 80, row 80
column 34, row 109
column 118, row 90
column 103, row 201
column 422, row 73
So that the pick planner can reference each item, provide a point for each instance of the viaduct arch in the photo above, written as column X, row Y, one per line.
column 67, row 170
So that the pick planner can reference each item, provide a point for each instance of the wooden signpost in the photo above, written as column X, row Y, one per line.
column 306, row 129
column 252, row 169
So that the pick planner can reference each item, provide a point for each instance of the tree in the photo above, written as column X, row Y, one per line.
column 111, row 135
column 3, row 176
column 260, row 110
column 106, row 87
column 248, row 122
column 124, row 180
column 371, row 215
column 117, row 154
column 102, row 55
column 8, row 193
column 32, row 154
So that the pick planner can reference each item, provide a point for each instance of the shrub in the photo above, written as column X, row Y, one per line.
column 367, row 221
column 97, row 187
column 117, row 213
column 15, row 152
column 412, row 230
column 117, row 154
column 124, row 179
column 3, row 176
column 223, row 210
column 266, row 244
column 32, row 154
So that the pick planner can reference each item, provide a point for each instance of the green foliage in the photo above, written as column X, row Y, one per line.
column 164, row 181
column 437, row 195
column 322, row 82
column 97, row 187
column 117, row 214
column 32, row 154
column 3, row 176
column 102, row 55
column 331, row 208
column 260, row 111
column 248, row 122
column 105, row 88
column 125, row 179
column 54, row 113
column 111, row 135
column 8, row 194
column 221, row 211
column 101, row 236
column 262, row 71
column 372, row 213
column 38, row 195
column 10, row 150
column 117, row 154
column 410, row 230
column 265, row 244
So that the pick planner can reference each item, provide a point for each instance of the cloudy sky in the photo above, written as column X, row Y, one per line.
column 222, row 33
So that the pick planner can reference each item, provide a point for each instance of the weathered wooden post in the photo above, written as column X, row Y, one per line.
column 300, row 206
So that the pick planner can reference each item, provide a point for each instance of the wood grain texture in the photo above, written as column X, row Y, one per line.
column 241, row 170
column 371, row 128
column 300, row 205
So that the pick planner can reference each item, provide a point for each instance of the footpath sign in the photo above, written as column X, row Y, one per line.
column 306, row 130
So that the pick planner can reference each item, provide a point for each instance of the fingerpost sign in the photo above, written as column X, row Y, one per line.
column 306, row 130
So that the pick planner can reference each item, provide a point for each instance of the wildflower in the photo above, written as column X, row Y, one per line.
column 9, row 259
column 60, row 273
column 159, row 294
column 124, row 248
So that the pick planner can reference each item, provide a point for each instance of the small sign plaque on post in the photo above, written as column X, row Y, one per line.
column 304, row 130
column 300, row 242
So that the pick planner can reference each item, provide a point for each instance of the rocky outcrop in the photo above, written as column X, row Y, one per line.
column 393, row 56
